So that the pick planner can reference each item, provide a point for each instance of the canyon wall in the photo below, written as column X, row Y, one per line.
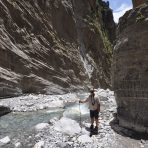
column 136, row 3
column 130, row 69
column 54, row 46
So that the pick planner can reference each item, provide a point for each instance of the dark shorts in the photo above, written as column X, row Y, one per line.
column 94, row 114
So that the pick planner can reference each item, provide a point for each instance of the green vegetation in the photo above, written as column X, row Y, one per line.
column 98, row 26
column 140, row 17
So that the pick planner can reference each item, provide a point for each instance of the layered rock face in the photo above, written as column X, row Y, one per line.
column 130, row 69
column 54, row 46
column 137, row 2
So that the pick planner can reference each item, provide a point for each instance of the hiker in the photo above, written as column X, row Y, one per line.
column 94, row 106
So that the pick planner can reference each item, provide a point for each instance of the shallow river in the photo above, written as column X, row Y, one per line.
column 18, row 124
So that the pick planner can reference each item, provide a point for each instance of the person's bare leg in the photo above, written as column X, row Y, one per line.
column 97, row 122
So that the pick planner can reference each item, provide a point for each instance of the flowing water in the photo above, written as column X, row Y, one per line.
column 19, row 126
column 17, row 123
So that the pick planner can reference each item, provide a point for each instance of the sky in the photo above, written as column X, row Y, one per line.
column 119, row 7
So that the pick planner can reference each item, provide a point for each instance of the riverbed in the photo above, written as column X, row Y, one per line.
column 54, row 121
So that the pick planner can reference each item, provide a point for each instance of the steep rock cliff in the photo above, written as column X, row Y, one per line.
column 137, row 2
column 130, row 69
column 54, row 46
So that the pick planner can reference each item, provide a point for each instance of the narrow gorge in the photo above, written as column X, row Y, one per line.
column 51, row 53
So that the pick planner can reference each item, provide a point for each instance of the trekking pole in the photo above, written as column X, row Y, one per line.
column 80, row 117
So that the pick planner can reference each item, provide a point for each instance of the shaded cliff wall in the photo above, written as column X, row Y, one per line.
column 136, row 3
column 130, row 69
column 53, row 46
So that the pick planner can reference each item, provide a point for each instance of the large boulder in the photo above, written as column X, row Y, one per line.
column 130, row 69
column 4, row 110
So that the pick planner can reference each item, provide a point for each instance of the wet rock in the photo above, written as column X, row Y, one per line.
column 41, row 126
column 4, row 110
column 53, row 120
column 67, row 126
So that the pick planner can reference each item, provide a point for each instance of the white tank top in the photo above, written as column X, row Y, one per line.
column 93, row 102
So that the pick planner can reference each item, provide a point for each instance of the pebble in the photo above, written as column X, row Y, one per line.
column 62, row 145
column 41, row 126
column 74, row 139
column 84, row 139
column 70, row 143
column 18, row 145
column 40, row 144
column 5, row 140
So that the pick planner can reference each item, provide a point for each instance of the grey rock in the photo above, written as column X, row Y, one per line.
column 130, row 73
column 4, row 110
column 62, row 145
column 54, row 46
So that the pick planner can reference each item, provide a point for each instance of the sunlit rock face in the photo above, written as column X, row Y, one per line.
column 55, row 46
column 130, row 69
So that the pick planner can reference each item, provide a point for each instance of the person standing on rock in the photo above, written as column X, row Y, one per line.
column 94, row 106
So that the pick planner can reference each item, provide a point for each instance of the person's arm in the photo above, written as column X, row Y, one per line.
column 98, row 103
column 83, row 101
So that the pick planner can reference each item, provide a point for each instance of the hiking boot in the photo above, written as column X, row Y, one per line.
column 91, row 127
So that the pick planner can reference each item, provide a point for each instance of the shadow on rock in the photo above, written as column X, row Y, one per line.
column 125, row 131
column 4, row 110
column 91, row 133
